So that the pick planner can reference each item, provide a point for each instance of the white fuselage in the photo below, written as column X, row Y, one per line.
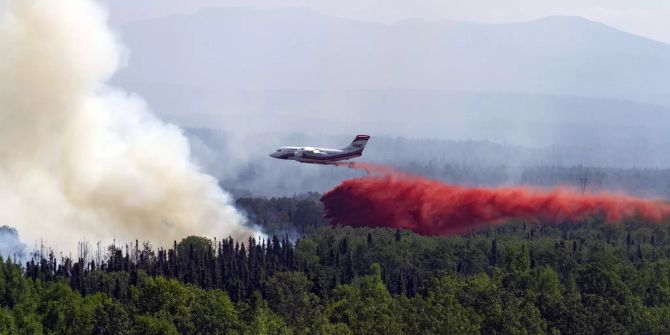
column 315, row 155
column 321, row 155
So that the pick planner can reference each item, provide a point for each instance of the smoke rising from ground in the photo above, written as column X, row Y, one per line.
column 79, row 159
column 388, row 199
column 10, row 244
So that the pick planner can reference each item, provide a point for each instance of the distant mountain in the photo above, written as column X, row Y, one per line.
column 577, row 91
column 298, row 49
column 608, row 128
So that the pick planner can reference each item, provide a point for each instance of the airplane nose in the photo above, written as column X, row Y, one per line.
column 273, row 155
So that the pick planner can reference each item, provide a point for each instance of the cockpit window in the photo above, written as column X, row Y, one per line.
column 278, row 150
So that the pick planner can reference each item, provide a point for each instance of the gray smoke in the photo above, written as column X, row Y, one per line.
column 10, row 244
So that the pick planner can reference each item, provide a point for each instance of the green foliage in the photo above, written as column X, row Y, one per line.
column 13, row 289
column 149, row 325
column 63, row 311
column 290, row 295
column 280, row 215
column 166, row 299
column 365, row 306
column 441, row 311
column 7, row 324
column 213, row 313
column 192, row 245
column 581, row 277
column 110, row 317
column 265, row 322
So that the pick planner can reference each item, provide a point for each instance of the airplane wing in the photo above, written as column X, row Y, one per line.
column 314, row 152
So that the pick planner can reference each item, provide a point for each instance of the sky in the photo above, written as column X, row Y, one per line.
column 649, row 18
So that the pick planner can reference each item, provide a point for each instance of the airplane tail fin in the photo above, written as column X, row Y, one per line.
column 358, row 143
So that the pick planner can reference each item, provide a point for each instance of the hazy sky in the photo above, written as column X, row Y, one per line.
column 650, row 18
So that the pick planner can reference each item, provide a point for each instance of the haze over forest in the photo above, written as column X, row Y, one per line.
column 137, row 195
column 560, row 91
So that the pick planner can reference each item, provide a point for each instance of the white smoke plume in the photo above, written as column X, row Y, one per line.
column 80, row 159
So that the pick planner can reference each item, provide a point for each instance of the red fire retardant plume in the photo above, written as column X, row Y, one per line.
column 428, row 207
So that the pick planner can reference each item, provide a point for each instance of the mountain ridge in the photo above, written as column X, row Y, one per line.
column 297, row 49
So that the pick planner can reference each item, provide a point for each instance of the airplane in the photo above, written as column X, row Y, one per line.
column 323, row 156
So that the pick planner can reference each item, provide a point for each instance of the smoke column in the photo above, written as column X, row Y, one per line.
column 80, row 159
column 428, row 207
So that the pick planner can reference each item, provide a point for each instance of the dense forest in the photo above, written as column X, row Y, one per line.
column 522, row 277
column 645, row 182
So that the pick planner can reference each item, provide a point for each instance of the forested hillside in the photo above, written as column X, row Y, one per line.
column 582, row 277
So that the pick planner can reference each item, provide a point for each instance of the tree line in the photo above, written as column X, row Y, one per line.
column 523, row 277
